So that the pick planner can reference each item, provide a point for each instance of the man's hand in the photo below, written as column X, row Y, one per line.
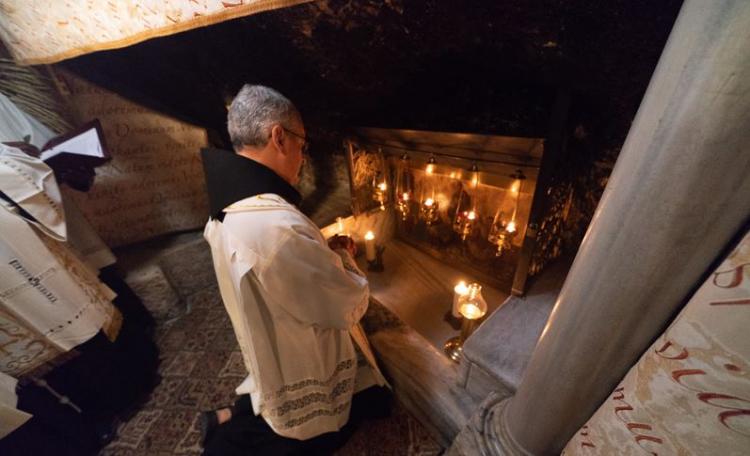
column 343, row 242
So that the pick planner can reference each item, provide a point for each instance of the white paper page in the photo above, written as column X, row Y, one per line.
column 87, row 143
column 8, row 390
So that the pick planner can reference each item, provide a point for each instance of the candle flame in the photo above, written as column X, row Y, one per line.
column 430, row 168
column 471, row 215
column 461, row 288
column 382, row 186
column 429, row 202
column 369, row 236
column 405, row 197
column 511, row 228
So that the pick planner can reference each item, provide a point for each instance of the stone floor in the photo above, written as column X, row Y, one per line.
column 201, row 363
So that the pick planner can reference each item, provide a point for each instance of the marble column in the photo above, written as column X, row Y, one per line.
column 678, row 193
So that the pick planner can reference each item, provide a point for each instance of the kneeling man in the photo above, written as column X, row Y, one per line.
column 294, row 302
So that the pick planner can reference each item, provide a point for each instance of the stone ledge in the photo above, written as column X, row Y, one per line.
column 495, row 356
column 423, row 379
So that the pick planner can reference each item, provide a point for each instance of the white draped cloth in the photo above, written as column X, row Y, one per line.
column 50, row 301
column 295, row 306
column 42, row 285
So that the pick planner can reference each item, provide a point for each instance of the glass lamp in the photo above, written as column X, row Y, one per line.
column 379, row 182
column 504, row 229
column 404, row 188
column 472, row 307
column 428, row 210
column 467, row 216
column 380, row 190
column 502, row 233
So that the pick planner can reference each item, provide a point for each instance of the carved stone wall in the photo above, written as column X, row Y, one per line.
column 154, row 183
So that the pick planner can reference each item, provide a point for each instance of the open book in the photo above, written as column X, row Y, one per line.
column 72, row 156
column 83, row 146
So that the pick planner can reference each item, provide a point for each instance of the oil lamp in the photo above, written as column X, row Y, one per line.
column 379, row 184
column 502, row 233
column 468, row 220
column 429, row 211
column 472, row 307
column 429, row 208
column 467, row 215
column 430, row 168
column 503, row 230
column 474, row 173
column 380, row 193
column 404, row 190
column 404, row 204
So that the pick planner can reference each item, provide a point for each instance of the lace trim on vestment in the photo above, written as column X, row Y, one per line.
column 313, row 398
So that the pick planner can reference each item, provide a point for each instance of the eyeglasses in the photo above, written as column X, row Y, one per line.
column 305, row 142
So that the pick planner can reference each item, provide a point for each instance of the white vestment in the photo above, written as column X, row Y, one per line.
column 50, row 299
column 43, row 285
column 295, row 306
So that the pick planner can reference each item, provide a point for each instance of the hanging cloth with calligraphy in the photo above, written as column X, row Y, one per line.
column 689, row 394
column 48, row 32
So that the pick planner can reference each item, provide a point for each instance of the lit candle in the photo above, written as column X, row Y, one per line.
column 471, row 215
column 511, row 227
column 459, row 290
column 405, row 197
column 382, row 186
column 429, row 202
column 370, row 246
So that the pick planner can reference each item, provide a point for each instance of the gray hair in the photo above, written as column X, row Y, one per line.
column 254, row 112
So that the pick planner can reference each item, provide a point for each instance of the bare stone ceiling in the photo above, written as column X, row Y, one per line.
column 485, row 66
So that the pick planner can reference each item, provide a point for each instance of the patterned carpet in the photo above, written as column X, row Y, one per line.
column 200, row 366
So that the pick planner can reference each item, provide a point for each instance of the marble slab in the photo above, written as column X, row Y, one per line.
column 419, row 289
column 423, row 379
column 502, row 346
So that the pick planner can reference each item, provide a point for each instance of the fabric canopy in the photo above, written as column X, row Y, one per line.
column 51, row 31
